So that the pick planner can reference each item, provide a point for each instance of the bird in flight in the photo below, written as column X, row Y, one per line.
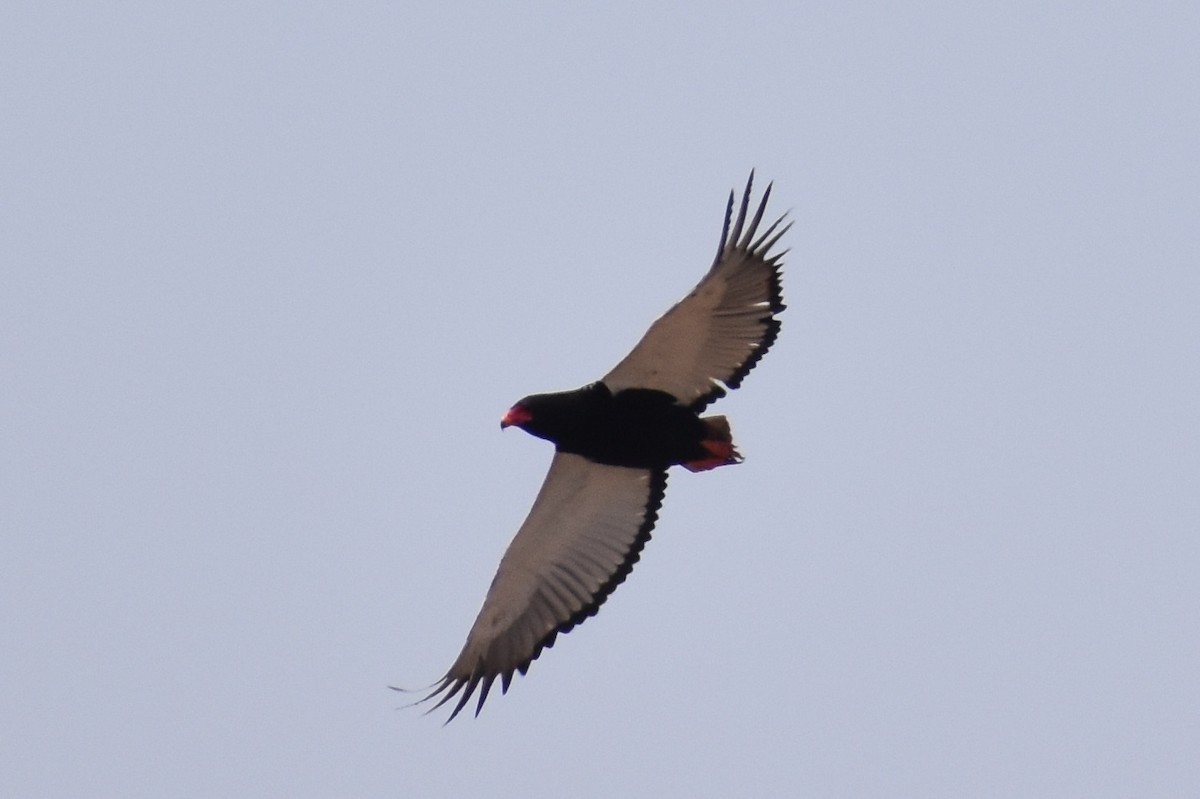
column 614, row 441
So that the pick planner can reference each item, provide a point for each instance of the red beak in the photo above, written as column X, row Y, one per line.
column 517, row 415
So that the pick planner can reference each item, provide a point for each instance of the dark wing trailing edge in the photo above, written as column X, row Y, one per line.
column 711, row 339
column 583, row 535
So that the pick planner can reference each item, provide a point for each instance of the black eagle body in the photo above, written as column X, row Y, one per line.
column 641, row 428
column 614, row 441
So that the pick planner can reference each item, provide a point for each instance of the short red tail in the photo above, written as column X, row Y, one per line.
column 718, row 442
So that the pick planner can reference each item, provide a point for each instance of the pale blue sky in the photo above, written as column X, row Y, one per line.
column 272, row 272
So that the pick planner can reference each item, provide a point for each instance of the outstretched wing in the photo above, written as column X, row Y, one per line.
column 713, row 337
column 585, row 531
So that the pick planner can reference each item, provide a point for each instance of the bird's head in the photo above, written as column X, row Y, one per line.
column 556, row 416
column 518, row 415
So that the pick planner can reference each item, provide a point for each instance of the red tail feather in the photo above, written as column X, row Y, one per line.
column 718, row 443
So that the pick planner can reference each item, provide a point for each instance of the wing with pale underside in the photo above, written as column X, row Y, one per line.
column 582, row 537
column 711, row 339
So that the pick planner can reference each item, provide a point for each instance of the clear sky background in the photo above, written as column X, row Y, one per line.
column 272, row 272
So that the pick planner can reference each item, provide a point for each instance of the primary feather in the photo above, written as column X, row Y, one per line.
column 713, row 337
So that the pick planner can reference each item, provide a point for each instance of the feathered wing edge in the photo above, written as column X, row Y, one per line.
column 464, row 686
column 709, row 341
column 741, row 241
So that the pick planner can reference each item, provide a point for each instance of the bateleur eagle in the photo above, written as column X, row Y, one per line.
column 614, row 441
